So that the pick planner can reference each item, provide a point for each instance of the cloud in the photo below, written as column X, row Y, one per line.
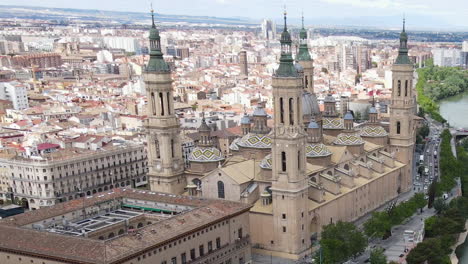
column 381, row 4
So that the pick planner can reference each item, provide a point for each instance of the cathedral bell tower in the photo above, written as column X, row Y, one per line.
column 305, row 60
column 402, row 113
column 290, row 183
column 165, row 160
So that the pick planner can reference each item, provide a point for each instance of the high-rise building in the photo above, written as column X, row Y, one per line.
column 268, row 29
column 15, row 92
column 243, row 63
column 402, row 111
column 165, row 161
column 447, row 57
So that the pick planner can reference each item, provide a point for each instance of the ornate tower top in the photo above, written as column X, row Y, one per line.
column 156, row 62
column 205, row 134
column 286, row 67
column 403, row 50
column 303, row 54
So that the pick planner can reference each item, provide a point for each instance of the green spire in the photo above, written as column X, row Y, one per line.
column 303, row 54
column 403, row 50
column 286, row 67
column 156, row 62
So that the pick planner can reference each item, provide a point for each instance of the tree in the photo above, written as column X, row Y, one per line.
column 340, row 241
column 378, row 225
column 440, row 205
column 430, row 250
column 377, row 256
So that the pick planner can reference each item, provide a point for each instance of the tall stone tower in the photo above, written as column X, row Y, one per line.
column 402, row 112
column 165, row 160
column 290, row 183
column 243, row 64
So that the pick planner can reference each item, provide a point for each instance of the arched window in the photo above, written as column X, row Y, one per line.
column 172, row 147
column 281, row 111
column 406, row 88
column 283, row 161
column 153, row 103
column 299, row 160
column 399, row 88
column 168, row 104
column 398, row 127
column 221, row 189
column 346, row 167
column 291, row 111
column 306, row 82
column 156, row 147
column 162, row 103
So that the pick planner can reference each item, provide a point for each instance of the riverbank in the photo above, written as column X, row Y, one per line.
column 461, row 239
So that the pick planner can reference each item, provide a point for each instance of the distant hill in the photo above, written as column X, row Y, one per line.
column 90, row 15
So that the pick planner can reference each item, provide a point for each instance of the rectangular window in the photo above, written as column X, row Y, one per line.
column 210, row 246
column 239, row 233
column 284, row 216
column 283, row 161
column 281, row 111
column 218, row 242
column 192, row 254
column 183, row 258
column 174, row 260
column 284, row 229
column 202, row 250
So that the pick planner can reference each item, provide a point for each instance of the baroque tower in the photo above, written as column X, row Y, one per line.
column 305, row 60
column 165, row 160
column 290, row 183
column 402, row 112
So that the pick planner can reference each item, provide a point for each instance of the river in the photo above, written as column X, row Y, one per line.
column 455, row 109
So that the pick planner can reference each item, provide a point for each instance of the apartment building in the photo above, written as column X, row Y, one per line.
column 46, row 175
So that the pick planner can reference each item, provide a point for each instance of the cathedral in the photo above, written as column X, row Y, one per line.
column 310, row 169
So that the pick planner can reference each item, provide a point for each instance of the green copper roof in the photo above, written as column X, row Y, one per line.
column 156, row 62
column 303, row 54
column 286, row 67
column 403, row 50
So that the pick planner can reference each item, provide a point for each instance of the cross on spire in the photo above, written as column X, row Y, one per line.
column 404, row 23
column 302, row 19
column 152, row 16
column 285, row 13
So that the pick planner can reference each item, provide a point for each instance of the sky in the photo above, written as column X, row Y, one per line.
column 423, row 12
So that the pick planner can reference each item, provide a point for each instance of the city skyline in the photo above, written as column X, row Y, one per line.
column 421, row 14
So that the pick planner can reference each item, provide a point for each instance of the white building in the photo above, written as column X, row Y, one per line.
column 16, row 93
column 447, row 57
column 126, row 43
column 104, row 56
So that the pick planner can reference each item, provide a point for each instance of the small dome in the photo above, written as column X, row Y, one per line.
column 329, row 99
column 245, row 120
column 373, row 131
column 204, row 126
column 317, row 150
column 205, row 154
column 348, row 139
column 313, row 124
column 348, row 116
column 372, row 110
column 333, row 123
column 259, row 111
column 310, row 105
column 260, row 141
column 266, row 162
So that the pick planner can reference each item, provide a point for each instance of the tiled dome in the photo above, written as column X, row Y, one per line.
column 266, row 162
column 205, row 154
column 261, row 141
column 348, row 139
column 310, row 105
column 234, row 145
column 332, row 123
column 317, row 150
column 373, row 131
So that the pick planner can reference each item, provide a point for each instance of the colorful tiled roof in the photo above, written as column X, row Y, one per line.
column 266, row 162
column 373, row 131
column 234, row 145
column 262, row 141
column 317, row 150
column 348, row 139
column 205, row 154
column 332, row 123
